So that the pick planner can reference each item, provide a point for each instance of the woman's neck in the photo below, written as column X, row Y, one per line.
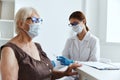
column 81, row 35
column 23, row 37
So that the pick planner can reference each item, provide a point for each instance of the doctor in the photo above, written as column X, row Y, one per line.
column 84, row 46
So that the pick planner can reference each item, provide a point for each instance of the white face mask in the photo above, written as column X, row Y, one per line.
column 34, row 30
column 77, row 28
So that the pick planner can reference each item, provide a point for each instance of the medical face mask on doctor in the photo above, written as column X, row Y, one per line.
column 34, row 30
column 77, row 28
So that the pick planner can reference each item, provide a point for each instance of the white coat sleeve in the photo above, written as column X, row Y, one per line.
column 65, row 51
column 95, row 51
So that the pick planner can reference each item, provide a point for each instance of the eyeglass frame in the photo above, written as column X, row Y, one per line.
column 73, row 24
column 35, row 20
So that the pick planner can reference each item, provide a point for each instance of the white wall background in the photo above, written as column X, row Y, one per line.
column 96, row 12
column 113, row 22
column 54, row 30
column 7, row 10
column 108, row 50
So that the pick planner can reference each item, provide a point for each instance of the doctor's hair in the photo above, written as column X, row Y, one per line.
column 80, row 16
column 22, row 15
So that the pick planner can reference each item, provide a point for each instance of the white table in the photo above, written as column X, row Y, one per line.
column 89, row 73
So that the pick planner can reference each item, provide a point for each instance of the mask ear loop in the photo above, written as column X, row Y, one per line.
column 20, row 29
column 25, row 31
column 22, row 23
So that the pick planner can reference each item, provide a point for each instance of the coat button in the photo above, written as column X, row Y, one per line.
column 50, row 70
column 47, row 64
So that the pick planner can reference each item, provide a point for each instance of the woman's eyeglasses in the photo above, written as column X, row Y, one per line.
column 35, row 20
column 73, row 24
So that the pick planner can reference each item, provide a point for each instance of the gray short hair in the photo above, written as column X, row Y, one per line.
column 22, row 14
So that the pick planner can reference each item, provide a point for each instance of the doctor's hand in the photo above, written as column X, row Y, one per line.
column 64, row 61
column 69, row 72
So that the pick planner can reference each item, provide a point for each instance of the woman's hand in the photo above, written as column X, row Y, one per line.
column 69, row 72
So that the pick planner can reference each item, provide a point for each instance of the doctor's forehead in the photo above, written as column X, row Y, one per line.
column 73, row 20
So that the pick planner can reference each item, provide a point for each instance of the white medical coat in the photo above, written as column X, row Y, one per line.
column 87, row 49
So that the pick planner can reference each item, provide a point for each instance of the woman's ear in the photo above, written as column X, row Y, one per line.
column 20, row 24
column 84, row 21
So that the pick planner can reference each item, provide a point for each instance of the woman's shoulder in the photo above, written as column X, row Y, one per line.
column 36, row 43
column 6, row 46
column 72, row 38
column 92, row 36
column 6, row 50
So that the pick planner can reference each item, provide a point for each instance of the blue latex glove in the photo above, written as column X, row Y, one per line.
column 64, row 61
column 53, row 63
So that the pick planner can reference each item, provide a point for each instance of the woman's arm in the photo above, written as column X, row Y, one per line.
column 95, row 51
column 9, row 65
column 68, row 72
column 65, row 51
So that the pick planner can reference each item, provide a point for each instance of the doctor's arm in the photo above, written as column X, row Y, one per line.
column 65, row 59
column 9, row 65
column 65, row 52
column 95, row 51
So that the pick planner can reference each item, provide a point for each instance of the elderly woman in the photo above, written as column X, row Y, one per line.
column 22, row 59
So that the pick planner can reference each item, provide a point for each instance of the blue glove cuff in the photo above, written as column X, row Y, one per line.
column 72, row 61
column 53, row 63
column 64, row 61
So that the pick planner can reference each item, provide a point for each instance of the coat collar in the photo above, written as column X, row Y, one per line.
column 86, row 38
